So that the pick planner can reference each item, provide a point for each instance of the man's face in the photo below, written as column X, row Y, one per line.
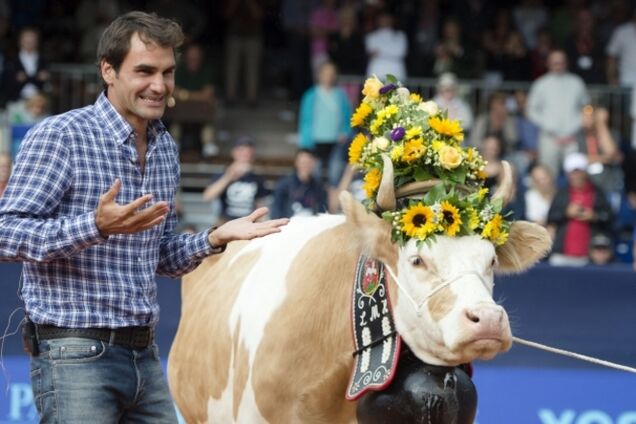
column 557, row 62
column 145, row 80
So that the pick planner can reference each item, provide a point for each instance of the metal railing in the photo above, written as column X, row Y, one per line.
column 475, row 92
column 77, row 85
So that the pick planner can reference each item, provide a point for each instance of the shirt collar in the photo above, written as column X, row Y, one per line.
column 118, row 126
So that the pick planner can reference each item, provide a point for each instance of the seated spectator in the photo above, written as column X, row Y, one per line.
column 448, row 99
column 451, row 53
column 528, row 132
column 239, row 189
column 29, row 111
column 539, row 195
column 490, row 148
column 300, row 193
column 5, row 171
column 578, row 210
column 496, row 121
column 604, row 157
column 601, row 249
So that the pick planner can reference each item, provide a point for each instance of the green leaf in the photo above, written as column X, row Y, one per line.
column 421, row 174
column 391, row 79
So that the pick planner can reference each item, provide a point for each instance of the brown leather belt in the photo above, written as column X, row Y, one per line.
column 132, row 337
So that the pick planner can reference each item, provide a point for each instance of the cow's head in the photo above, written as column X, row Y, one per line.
column 442, row 292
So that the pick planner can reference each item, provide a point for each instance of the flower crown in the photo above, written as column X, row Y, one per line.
column 408, row 144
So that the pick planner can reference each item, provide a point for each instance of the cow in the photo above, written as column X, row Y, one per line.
column 265, row 331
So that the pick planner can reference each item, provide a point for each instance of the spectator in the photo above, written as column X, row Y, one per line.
column 447, row 99
column 295, row 21
column 423, row 37
column 490, row 148
column 323, row 23
column 450, row 53
column 516, row 59
column 621, row 54
column 239, row 189
column 324, row 124
column 494, row 40
column 539, row 54
column 601, row 249
column 496, row 121
column 578, row 211
column 603, row 155
column 299, row 193
column 194, row 82
column 346, row 47
column 554, row 105
column 530, row 16
column 346, row 50
column 539, row 196
column 5, row 171
column 527, row 131
column 244, row 43
column 29, row 111
column 584, row 49
column 28, row 73
column 386, row 48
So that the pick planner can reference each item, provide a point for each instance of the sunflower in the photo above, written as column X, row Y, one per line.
column 356, row 148
column 413, row 132
column 413, row 150
column 447, row 127
column 494, row 231
column 361, row 113
column 396, row 153
column 473, row 219
column 418, row 221
column 451, row 220
column 372, row 182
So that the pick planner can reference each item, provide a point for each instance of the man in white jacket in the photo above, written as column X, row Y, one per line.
column 387, row 49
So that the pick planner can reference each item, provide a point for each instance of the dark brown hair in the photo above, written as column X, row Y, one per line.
column 115, row 41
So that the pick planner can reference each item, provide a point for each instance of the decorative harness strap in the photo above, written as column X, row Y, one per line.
column 377, row 344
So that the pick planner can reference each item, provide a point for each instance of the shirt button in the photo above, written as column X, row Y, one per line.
column 138, row 258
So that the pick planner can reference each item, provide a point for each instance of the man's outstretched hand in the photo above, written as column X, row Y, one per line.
column 113, row 218
column 246, row 228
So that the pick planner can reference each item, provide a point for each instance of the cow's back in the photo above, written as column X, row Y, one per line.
column 265, row 332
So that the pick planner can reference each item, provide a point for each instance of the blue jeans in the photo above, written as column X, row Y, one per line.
column 77, row 380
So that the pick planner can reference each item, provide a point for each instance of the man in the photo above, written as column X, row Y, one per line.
column 300, row 193
column 90, row 209
column 578, row 211
column 238, row 188
column 554, row 105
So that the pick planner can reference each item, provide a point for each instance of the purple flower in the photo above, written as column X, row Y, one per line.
column 388, row 88
column 397, row 134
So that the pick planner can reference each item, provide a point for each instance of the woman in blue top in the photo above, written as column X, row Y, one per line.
column 325, row 113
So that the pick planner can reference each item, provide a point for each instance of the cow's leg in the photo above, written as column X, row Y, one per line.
column 324, row 402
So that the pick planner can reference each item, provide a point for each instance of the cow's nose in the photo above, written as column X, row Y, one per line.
column 487, row 317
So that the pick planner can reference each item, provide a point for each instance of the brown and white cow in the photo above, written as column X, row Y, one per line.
column 265, row 332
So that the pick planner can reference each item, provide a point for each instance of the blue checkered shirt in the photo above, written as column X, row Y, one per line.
column 72, row 276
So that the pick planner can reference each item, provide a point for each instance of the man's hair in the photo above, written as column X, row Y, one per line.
column 115, row 41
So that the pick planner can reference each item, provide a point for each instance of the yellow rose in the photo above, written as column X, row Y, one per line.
column 372, row 87
column 449, row 157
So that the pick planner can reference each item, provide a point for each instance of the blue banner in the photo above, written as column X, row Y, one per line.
column 589, row 310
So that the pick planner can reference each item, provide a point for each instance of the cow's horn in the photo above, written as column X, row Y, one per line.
column 506, row 188
column 386, row 193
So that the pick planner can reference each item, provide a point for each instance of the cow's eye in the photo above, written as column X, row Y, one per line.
column 418, row 261
column 493, row 263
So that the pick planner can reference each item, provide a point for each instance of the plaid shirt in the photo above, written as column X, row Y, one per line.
column 73, row 277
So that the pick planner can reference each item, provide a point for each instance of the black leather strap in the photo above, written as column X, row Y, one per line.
column 132, row 337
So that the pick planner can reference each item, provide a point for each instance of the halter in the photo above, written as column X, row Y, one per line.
column 445, row 283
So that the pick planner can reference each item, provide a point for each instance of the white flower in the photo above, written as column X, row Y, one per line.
column 429, row 107
column 403, row 93
column 381, row 143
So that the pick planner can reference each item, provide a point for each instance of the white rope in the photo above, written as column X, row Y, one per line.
column 575, row 355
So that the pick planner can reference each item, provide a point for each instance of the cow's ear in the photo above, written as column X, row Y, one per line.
column 373, row 234
column 526, row 245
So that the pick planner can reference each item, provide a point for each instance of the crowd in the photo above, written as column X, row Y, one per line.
column 575, row 172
